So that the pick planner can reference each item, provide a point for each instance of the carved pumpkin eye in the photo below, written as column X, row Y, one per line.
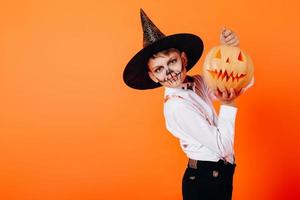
column 240, row 57
column 218, row 54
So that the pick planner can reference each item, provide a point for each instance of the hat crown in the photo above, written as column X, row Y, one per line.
column 150, row 32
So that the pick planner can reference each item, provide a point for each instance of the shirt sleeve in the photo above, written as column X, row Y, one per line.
column 183, row 120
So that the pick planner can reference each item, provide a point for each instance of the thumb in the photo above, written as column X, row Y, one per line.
column 222, row 35
column 223, row 30
column 241, row 91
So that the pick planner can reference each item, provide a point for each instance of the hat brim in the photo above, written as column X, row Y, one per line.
column 135, row 74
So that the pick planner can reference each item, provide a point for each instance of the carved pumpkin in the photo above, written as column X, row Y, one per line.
column 227, row 67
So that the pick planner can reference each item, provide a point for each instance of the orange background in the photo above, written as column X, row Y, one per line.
column 71, row 129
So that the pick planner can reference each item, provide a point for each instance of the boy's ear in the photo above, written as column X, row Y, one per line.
column 184, row 59
column 152, row 77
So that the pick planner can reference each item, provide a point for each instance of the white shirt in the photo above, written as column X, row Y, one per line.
column 185, row 116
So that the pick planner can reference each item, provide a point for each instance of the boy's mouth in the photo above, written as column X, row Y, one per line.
column 174, row 78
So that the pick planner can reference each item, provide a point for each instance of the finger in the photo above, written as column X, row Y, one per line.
column 224, row 95
column 223, row 29
column 227, row 92
column 222, row 40
column 216, row 93
column 232, row 93
column 230, row 37
column 226, row 32
column 237, row 43
column 233, row 42
column 241, row 91
column 219, row 93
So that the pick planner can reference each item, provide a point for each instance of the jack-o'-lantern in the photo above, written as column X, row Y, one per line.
column 227, row 67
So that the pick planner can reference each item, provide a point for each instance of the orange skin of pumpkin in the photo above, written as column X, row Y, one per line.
column 227, row 69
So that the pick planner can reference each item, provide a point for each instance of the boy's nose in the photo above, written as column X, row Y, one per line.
column 169, row 72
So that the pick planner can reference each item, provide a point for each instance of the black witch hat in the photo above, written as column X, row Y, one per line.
column 135, row 74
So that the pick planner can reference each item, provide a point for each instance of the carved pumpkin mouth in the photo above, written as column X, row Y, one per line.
column 221, row 75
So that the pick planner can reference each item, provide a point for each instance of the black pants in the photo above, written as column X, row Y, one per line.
column 210, row 181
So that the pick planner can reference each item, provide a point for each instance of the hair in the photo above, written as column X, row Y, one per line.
column 165, row 52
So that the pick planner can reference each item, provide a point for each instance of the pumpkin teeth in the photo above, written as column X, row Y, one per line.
column 224, row 75
column 240, row 76
column 230, row 76
column 221, row 75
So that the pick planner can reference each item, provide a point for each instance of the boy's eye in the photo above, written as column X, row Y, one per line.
column 173, row 61
column 158, row 69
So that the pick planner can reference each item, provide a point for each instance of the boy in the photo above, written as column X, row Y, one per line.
column 207, row 139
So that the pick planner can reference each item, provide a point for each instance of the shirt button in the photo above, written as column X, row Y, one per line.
column 215, row 173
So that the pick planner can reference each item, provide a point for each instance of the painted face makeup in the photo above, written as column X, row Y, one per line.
column 167, row 68
column 174, row 77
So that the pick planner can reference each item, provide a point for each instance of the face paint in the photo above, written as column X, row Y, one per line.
column 168, row 69
column 174, row 76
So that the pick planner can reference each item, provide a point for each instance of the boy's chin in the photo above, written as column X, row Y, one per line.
column 174, row 85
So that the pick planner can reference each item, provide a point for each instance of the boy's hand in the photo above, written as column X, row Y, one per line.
column 228, row 37
column 227, row 97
